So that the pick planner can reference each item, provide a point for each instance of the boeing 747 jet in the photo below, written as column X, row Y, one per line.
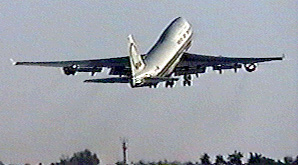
column 166, row 61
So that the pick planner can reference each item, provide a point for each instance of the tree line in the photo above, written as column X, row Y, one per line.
column 232, row 159
column 86, row 157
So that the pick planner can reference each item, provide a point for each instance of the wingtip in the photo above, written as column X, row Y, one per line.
column 283, row 56
column 13, row 62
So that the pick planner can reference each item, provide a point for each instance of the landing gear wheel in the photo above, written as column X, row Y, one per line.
column 187, row 79
column 189, row 83
column 169, row 84
column 172, row 84
column 250, row 67
column 155, row 85
column 186, row 82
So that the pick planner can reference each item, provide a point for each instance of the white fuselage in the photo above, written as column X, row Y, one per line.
column 163, row 57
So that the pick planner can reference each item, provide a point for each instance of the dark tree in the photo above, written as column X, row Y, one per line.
column 296, row 161
column 84, row 158
column 152, row 163
column 254, row 158
column 119, row 163
column 80, row 158
column 205, row 159
column 188, row 163
column 141, row 162
column 220, row 160
column 288, row 160
column 235, row 158
column 259, row 159
column 268, row 161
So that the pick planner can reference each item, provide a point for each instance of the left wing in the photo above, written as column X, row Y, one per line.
column 194, row 63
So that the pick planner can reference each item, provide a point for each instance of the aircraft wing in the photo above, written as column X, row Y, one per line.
column 110, row 62
column 118, row 65
column 189, row 64
column 195, row 63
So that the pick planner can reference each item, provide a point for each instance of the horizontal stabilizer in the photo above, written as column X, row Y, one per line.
column 13, row 62
column 109, row 80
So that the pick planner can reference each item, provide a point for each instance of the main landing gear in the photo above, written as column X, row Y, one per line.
column 153, row 86
column 170, row 84
column 187, row 80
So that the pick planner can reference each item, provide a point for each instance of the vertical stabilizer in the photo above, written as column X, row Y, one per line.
column 136, row 61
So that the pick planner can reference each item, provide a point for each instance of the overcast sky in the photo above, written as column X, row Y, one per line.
column 44, row 113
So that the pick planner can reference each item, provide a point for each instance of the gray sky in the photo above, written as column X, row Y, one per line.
column 44, row 113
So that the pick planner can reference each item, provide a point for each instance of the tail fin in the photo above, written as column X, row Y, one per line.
column 136, row 61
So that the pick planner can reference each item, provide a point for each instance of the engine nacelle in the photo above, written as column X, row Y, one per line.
column 70, row 70
column 250, row 67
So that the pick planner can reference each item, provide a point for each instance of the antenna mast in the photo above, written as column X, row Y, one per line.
column 124, row 149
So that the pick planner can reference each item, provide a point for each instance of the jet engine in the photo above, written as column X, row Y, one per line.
column 250, row 67
column 70, row 70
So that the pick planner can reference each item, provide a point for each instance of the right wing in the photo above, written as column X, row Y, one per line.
column 110, row 62
column 119, row 65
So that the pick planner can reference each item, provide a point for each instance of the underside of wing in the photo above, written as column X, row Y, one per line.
column 109, row 80
column 207, row 60
column 110, row 62
column 118, row 66
column 194, row 63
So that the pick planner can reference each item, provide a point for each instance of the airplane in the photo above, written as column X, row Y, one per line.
column 166, row 61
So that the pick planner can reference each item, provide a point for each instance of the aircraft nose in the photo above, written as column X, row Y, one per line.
column 180, row 21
